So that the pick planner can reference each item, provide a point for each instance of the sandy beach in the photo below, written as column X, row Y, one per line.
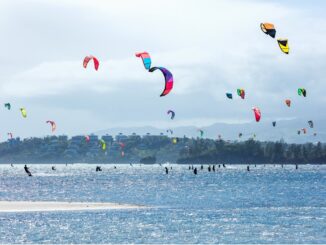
column 28, row 206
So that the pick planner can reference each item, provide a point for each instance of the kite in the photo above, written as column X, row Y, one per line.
column 8, row 106
column 87, row 138
column 201, row 132
column 103, row 144
column 257, row 113
column 24, row 112
column 95, row 60
column 146, row 59
column 284, row 45
column 268, row 29
column 302, row 92
column 168, row 79
column 169, row 130
column 241, row 93
column 172, row 113
column 122, row 146
column 311, row 124
column 229, row 95
column 274, row 124
column 53, row 125
column 288, row 102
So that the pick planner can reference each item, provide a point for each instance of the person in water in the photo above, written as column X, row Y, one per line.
column 166, row 170
column 248, row 169
column 98, row 168
column 223, row 165
column 202, row 167
column 53, row 168
column 195, row 171
column 214, row 168
column 27, row 170
column 209, row 168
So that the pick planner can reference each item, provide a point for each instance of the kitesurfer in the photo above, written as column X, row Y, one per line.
column 27, row 170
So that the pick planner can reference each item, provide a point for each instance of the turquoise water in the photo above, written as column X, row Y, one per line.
column 266, row 205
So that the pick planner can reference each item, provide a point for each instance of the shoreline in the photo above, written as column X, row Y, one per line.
column 53, row 206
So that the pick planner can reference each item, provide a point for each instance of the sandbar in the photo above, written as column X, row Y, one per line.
column 31, row 206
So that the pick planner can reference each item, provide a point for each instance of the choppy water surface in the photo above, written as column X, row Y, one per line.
column 266, row 205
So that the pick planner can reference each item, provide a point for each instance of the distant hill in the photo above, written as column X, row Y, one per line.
column 285, row 129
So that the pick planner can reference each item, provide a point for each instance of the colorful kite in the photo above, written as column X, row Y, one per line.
column 95, row 60
column 146, row 59
column 168, row 79
column 268, row 29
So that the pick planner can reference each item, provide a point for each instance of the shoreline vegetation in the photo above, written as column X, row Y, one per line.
column 151, row 149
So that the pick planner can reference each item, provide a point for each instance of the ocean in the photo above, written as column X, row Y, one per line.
column 268, row 204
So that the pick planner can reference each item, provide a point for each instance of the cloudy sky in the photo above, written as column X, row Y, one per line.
column 211, row 47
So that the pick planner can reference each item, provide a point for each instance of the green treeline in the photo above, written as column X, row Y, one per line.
column 159, row 148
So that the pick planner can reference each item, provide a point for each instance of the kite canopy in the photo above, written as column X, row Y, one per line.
column 302, row 92
column 257, row 113
column 53, row 125
column 24, row 112
column 169, row 131
column 103, row 144
column 288, row 102
column 284, row 45
column 274, row 124
column 95, row 60
column 241, row 93
column 8, row 106
column 87, row 138
column 172, row 114
column 168, row 79
column 201, row 132
column 122, row 145
column 146, row 59
column 229, row 95
column 311, row 124
column 268, row 29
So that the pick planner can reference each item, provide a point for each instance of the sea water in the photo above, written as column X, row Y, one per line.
column 268, row 204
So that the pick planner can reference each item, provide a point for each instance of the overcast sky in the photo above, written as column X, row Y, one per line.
column 211, row 47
